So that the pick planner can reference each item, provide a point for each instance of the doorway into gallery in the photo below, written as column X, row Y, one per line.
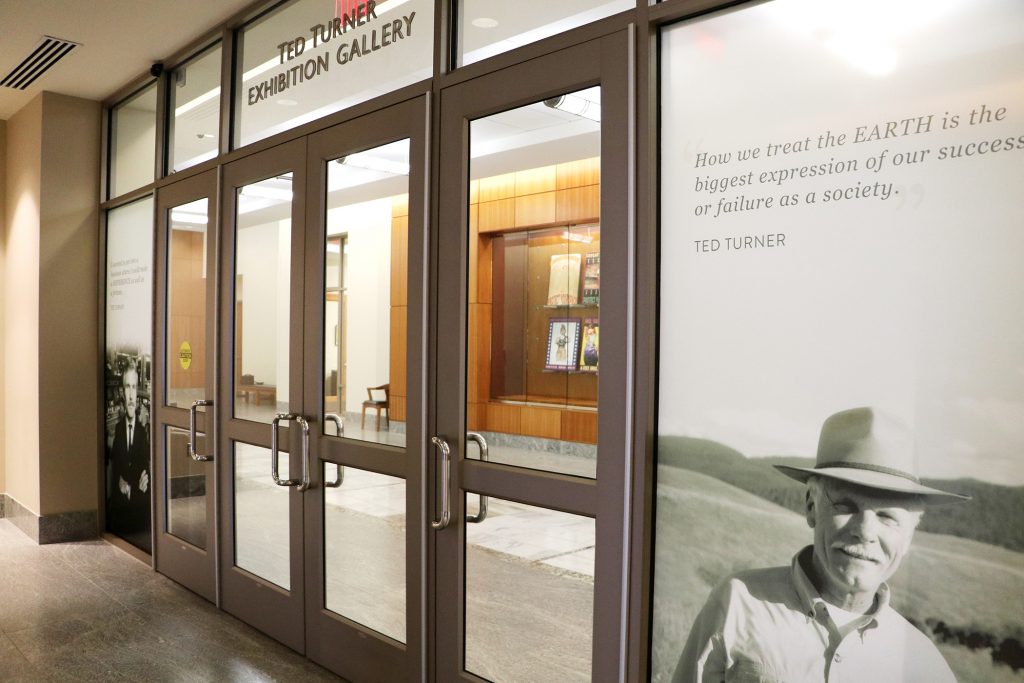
column 389, row 405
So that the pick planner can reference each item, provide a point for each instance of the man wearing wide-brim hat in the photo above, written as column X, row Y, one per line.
column 827, row 616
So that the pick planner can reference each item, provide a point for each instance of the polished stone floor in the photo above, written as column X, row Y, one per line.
column 80, row 612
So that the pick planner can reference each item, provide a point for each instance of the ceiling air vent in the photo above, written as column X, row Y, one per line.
column 48, row 52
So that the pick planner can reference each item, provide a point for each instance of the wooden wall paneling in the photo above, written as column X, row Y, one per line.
column 400, row 205
column 474, row 191
column 476, row 417
column 578, row 173
column 535, row 180
column 579, row 425
column 497, row 187
column 397, row 408
column 497, row 215
column 399, row 307
column 504, row 418
column 578, row 204
column 535, row 209
column 543, row 422
column 484, row 274
column 478, row 365
column 399, row 261
column 397, row 366
column 474, row 250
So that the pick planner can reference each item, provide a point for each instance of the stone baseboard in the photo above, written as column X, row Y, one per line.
column 58, row 528
column 3, row 503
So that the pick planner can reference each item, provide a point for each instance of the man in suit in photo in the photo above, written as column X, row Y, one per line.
column 129, row 462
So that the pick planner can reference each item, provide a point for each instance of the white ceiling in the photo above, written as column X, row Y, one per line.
column 119, row 39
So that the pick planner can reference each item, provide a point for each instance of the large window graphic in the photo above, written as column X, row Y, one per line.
column 841, row 344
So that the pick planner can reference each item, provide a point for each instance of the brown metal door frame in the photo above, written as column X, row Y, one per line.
column 193, row 567
column 608, row 61
column 351, row 649
column 260, row 603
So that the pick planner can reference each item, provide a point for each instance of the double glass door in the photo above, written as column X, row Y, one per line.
column 402, row 450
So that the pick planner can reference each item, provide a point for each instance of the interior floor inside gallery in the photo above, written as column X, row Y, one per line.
column 512, row 341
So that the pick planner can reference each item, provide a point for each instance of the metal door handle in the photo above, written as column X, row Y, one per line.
column 192, row 432
column 303, row 483
column 481, row 515
column 446, row 483
column 336, row 419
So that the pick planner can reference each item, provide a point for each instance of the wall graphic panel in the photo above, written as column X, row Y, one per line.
column 841, row 235
column 128, row 371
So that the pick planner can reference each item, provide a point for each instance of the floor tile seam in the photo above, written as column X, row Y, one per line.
column 75, row 568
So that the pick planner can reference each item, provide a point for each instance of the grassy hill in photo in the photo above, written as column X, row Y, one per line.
column 991, row 516
column 708, row 528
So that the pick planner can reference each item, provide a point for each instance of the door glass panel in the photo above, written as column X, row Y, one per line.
column 535, row 283
column 364, row 548
column 529, row 593
column 262, row 532
column 186, row 304
column 186, row 489
column 262, row 291
column 365, row 301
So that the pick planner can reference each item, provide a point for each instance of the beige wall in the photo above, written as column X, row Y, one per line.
column 68, row 317
column 51, row 387
column 3, row 209
column 21, row 303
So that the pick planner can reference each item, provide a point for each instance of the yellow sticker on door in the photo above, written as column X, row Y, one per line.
column 185, row 355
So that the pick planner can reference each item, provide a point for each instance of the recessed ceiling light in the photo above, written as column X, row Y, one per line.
column 484, row 22
column 287, row 103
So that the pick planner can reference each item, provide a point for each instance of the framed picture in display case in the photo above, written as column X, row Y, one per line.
column 564, row 280
column 591, row 345
column 592, row 279
column 563, row 344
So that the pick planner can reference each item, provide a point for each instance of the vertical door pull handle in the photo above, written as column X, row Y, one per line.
column 340, row 476
column 192, row 453
column 446, row 483
column 480, row 441
column 303, row 483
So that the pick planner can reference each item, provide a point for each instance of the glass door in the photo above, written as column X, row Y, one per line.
column 184, row 381
column 263, row 433
column 529, row 472
column 364, row 325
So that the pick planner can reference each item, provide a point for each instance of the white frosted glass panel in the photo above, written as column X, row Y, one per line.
column 314, row 57
column 195, row 110
column 133, row 142
column 487, row 28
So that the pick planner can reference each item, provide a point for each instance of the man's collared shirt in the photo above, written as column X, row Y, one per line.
column 771, row 626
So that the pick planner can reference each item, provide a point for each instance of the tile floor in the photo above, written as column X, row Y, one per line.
column 82, row 612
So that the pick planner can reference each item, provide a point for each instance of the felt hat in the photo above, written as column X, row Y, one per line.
column 868, row 448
